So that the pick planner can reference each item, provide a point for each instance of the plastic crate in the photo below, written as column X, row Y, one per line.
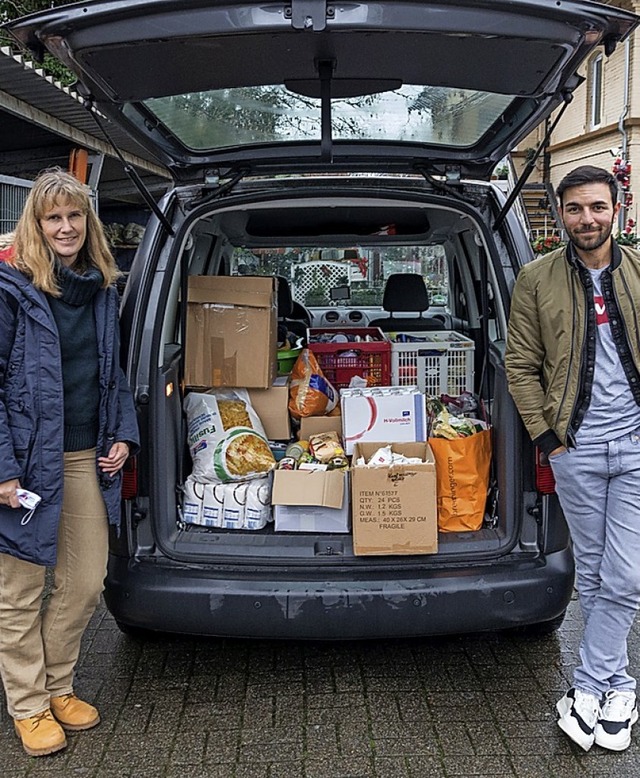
column 440, row 363
column 340, row 362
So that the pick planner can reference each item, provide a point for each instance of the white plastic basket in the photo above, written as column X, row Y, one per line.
column 441, row 363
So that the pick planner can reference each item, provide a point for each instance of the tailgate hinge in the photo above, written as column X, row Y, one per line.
column 309, row 14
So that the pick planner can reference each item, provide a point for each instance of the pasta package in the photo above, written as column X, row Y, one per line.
column 225, row 436
column 310, row 394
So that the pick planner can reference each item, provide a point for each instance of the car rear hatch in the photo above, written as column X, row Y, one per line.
column 444, row 86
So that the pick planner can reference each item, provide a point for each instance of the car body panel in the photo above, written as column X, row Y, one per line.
column 477, row 76
column 142, row 594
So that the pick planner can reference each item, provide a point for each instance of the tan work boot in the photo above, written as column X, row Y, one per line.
column 40, row 734
column 74, row 714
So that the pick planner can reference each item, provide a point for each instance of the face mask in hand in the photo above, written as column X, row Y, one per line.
column 29, row 501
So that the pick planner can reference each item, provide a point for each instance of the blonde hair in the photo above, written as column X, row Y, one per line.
column 32, row 254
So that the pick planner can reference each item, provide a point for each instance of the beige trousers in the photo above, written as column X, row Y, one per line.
column 39, row 647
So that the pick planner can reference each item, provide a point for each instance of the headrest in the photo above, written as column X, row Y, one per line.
column 285, row 300
column 405, row 292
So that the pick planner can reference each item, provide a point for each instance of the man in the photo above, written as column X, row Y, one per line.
column 573, row 366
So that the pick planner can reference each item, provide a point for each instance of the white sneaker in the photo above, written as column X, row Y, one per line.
column 579, row 713
column 619, row 713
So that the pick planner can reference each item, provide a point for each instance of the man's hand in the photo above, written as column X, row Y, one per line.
column 559, row 450
column 115, row 460
column 8, row 494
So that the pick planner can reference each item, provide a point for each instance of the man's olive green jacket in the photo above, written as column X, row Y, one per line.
column 551, row 339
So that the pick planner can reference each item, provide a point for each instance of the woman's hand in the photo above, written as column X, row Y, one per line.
column 8, row 494
column 115, row 460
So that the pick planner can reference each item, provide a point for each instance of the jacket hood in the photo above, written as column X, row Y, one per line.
column 6, row 243
column 18, row 285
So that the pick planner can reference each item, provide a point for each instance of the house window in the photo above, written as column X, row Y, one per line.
column 596, row 91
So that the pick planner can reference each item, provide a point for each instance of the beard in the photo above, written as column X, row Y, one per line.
column 593, row 239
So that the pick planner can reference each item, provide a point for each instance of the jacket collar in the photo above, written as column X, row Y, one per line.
column 574, row 260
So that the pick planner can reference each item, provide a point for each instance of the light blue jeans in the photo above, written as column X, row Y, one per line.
column 598, row 485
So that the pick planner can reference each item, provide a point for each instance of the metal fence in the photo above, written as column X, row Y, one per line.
column 13, row 194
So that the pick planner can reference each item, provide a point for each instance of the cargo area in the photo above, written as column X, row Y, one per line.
column 335, row 256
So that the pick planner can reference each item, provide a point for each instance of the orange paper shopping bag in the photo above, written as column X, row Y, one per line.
column 462, row 478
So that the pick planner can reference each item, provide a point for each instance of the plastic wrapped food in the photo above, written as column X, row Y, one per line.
column 310, row 393
column 325, row 446
column 226, row 438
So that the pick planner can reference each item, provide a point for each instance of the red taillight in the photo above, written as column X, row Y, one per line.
column 130, row 479
column 545, row 482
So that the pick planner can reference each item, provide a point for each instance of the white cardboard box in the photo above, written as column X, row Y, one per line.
column 311, row 501
column 383, row 413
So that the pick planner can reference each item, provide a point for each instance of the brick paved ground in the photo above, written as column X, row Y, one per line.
column 464, row 706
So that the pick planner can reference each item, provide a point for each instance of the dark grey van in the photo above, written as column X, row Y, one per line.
column 302, row 134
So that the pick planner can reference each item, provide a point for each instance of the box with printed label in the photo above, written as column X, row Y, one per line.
column 394, row 508
column 311, row 500
column 382, row 413
column 231, row 332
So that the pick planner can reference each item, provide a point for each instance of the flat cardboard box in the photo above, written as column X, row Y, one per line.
column 311, row 500
column 371, row 415
column 394, row 509
column 271, row 405
column 231, row 331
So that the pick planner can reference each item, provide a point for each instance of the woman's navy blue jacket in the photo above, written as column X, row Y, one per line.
column 31, row 411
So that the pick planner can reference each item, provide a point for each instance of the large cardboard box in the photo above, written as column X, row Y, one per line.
column 311, row 500
column 394, row 508
column 382, row 413
column 231, row 331
column 272, row 407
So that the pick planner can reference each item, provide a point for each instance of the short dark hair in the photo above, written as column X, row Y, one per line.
column 589, row 174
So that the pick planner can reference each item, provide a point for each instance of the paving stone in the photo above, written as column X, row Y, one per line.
column 321, row 740
column 250, row 771
column 271, row 752
column 195, row 771
column 422, row 766
column 536, row 766
column 340, row 768
column 476, row 766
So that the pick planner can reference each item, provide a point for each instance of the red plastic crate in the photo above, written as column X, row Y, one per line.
column 341, row 361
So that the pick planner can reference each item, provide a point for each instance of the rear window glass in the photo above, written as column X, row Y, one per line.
column 272, row 114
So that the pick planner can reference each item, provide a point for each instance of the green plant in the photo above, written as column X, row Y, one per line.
column 501, row 171
column 543, row 244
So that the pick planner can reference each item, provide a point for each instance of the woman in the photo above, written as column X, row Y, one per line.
column 67, row 425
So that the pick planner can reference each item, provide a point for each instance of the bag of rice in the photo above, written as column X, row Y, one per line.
column 225, row 436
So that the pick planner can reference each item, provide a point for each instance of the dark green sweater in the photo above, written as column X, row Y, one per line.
column 74, row 316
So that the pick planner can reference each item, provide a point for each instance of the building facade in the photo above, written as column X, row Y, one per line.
column 601, row 126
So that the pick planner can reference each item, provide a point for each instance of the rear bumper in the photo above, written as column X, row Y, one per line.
column 197, row 601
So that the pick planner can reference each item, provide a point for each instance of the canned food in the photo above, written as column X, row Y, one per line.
column 287, row 463
column 338, row 463
column 297, row 449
